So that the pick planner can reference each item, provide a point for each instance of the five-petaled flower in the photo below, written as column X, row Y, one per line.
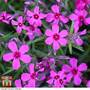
column 17, row 54
column 79, row 17
column 55, row 16
column 75, row 71
column 35, row 17
column 30, row 77
column 55, row 37
column 57, row 79
column 19, row 23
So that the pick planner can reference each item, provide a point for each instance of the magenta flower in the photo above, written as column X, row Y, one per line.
column 57, row 79
column 55, row 37
column 79, row 17
column 55, row 16
column 33, row 31
column 17, row 54
column 35, row 17
column 75, row 71
column 19, row 23
column 29, row 77
column 5, row 17
column 76, row 37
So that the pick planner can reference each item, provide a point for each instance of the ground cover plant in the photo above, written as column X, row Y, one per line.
column 45, row 43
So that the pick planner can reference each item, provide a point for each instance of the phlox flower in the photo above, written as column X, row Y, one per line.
column 55, row 37
column 33, row 31
column 57, row 79
column 76, row 37
column 75, row 71
column 19, row 23
column 5, row 17
column 30, row 77
column 17, row 54
column 35, row 17
column 79, row 17
column 55, row 16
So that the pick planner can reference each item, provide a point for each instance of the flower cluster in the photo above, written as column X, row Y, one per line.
column 60, row 31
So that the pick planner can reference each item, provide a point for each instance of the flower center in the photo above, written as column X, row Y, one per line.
column 74, row 71
column 17, row 54
column 33, row 75
column 57, row 15
column 61, row 81
column 20, row 24
column 81, row 18
column 36, row 16
column 56, row 36
column 57, row 77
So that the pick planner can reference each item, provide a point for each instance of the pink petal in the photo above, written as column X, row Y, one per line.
column 79, row 41
column 31, row 20
column 16, row 64
column 19, row 30
column 20, row 19
column 57, row 83
column 73, row 17
column 24, row 48
column 53, row 74
column 82, row 67
column 7, row 57
column 83, row 32
column 76, row 26
column 25, row 58
column 50, row 81
column 31, row 83
column 48, row 32
column 87, row 21
column 66, row 67
column 31, row 68
column 55, row 28
column 18, row 83
column 77, row 80
column 50, row 17
column 83, row 12
column 63, row 42
column 29, row 13
column 55, row 8
column 12, row 46
column 73, row 62
column 64, row 19
column 49, row 41
column 88, row 84
column 36, row 10
column 38, row 32
column 42, row 16
column 38, row 22
column 63, row 33
column 56, row 21
column 25, row 76
column 14, row 22
column 56, row 45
